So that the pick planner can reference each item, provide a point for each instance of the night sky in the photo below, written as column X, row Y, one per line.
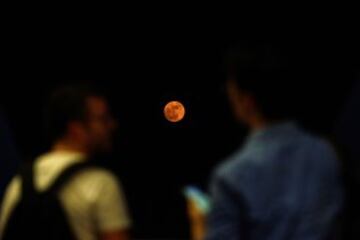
column 140, row 72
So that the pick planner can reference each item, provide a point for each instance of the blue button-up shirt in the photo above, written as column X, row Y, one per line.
column 283, row 184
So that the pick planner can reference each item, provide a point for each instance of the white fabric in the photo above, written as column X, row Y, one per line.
column 93, row 200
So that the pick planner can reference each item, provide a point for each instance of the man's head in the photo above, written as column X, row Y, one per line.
column 78, row 116
column 258, row 84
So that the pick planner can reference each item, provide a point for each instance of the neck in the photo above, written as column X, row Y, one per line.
column 262, row 124
column 258, row 123
column 70, row 146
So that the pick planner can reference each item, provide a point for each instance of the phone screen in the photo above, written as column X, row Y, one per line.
column 200, row 198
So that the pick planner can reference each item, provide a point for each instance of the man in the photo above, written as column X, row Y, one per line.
column 79, row 126
column 284, row 183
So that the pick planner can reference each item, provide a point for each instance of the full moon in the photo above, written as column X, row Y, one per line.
column 174, row 111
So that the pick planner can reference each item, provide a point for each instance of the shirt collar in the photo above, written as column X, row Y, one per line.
column 273, row 130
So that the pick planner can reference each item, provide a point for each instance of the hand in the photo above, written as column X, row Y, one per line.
column 197, row 220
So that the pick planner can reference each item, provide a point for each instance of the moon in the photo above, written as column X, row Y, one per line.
column 174, row 111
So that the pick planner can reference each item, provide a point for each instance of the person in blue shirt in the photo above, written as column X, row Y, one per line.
column 284, row 183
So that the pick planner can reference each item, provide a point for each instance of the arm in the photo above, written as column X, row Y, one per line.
column 111, row 214
column 228, row 217
column 197, row 221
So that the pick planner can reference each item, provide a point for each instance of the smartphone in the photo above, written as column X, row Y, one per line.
column 200, row 198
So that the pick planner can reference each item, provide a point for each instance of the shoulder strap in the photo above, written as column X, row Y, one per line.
column 66, row 175
column 27, row 179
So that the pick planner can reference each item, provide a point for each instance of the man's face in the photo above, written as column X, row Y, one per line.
column 100, row 125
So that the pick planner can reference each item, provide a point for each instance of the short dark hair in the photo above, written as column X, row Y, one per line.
column 263, row 71
column 66, row 104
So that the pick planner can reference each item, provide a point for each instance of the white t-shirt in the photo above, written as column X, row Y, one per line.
column 93, row 200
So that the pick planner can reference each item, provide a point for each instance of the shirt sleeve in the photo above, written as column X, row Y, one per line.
column 324, row 199
column 227, row 218
column 111, row 212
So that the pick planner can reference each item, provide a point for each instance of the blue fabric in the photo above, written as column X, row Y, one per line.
column 283, row 184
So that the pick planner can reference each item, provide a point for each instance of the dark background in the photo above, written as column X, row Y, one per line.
column 140, row 71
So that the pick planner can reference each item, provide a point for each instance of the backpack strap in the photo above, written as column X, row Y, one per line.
column 27, row 179
column 66, row 175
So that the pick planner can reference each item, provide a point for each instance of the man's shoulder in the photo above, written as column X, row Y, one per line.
column 96, row 174
column 92, row 183
column 245, row 162
column 318, row 145
column 235, row 166
column 55, row 164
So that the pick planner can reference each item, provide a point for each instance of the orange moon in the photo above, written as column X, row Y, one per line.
column 174, row 111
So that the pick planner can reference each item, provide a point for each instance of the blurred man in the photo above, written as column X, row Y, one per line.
column 284, row 183
column 80, row 126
